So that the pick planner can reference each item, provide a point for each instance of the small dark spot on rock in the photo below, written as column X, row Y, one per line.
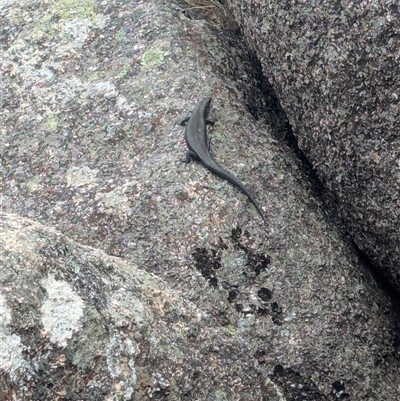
column 161, row 394
column 278, row 370
column 257, row 262
column 213, row 281
column 295, row 386
column 262, row 311
column 264, row 294
column 276, row 320
column 275, row 307
column 276, row 314
column 338, row 389
column 222, row 244
column 232, row 295
column 207, row 262
column 236, row 234
column 260, row 356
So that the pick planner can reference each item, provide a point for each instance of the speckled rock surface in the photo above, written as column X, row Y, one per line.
column 79, row 324
column 126, row 274
column 335, row 67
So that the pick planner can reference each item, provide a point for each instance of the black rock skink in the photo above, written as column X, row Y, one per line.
column 199, row 149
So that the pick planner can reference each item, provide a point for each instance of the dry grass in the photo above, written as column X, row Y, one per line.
column 212, row 11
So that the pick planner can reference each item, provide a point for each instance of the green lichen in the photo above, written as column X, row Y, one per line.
column 70, row 9
column 94, row 76
column 63, row 10
column 152, row 57
column 50, row 123
column 219, row 136
column 123, row 72
column 120, row 35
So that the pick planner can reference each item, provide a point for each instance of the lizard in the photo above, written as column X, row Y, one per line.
column 198, row 145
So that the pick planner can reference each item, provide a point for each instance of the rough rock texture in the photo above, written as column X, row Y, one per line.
column 78, row 324
column 125, row 274
column 336, row 69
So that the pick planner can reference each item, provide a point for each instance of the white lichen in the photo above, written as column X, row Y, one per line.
column 61, row 312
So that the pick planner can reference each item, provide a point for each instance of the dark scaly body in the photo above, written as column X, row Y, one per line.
column 198, row 147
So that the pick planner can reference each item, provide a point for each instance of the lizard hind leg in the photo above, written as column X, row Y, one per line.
column 190, row 155
column 184, row 121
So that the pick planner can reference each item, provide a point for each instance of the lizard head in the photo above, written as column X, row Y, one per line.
column 205, row 104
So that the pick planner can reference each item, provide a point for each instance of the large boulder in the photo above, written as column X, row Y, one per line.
column 336, row 70
column 128, row 275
